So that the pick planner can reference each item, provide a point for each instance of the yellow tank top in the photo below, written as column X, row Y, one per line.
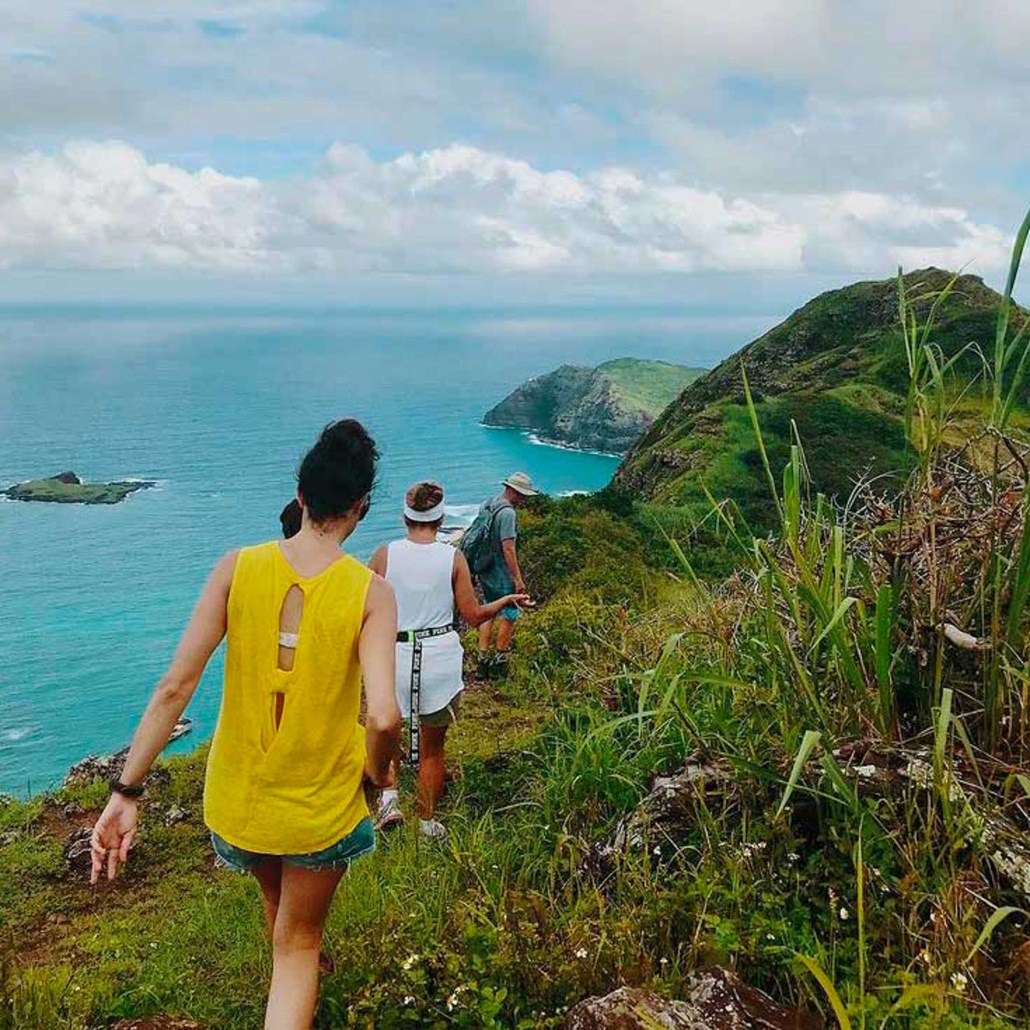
column 295, row 788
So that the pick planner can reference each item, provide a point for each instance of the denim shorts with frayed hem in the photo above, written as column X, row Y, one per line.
column 359, row 842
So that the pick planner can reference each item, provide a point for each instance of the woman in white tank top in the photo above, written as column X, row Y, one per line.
column 430, row 580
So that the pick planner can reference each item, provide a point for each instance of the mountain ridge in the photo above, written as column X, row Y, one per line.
column 835, row 368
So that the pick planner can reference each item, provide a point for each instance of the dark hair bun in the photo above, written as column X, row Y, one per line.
column 338, row 471
column 425, row 495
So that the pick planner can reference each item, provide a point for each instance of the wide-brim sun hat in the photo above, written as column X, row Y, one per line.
column 521, row 483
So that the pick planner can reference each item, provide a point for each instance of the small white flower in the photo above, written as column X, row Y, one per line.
column 792, row 857
column 657, row 849
column 770, row 936
column 663, row 962
column 581, row 953
column 843, row 913
column 409, row 1000
column 409, row 962
column 453, row 999
column 959, row 981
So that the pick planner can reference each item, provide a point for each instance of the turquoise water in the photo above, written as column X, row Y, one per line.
column 218, row 407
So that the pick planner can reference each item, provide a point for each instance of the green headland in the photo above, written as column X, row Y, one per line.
column 603, row 409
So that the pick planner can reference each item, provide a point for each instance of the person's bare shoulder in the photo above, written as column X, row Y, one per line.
column 225, row 568
column 380, row 596
column 377, row 563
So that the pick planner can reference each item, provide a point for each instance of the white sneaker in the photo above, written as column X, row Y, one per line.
column 389, row 816
column 431, row 828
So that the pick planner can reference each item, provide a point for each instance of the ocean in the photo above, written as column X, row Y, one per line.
column 218, row 407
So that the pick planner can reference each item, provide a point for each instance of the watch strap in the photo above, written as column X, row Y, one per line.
column 127, row 790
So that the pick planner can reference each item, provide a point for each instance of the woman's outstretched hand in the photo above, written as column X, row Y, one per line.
column 521, row 600
column 112, row 836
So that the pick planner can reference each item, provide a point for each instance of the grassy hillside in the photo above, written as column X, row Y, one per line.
column 837, row 369
column 627, row 673
column 648, row 385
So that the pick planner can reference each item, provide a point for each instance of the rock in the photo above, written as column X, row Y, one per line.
column 76, row 851
column 6, row 800
column 71, row 811
column 601, row 409
column 716, row 1000
column 661, row 821
column 96, row 767
column 69, row 478
column 877, row 770
column 176, row 815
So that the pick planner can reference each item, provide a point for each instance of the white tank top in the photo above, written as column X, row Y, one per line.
column 422, row 579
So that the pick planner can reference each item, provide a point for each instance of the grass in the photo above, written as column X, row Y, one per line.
column 648, row 385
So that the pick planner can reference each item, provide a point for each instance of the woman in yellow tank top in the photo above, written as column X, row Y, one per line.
column 284, row 794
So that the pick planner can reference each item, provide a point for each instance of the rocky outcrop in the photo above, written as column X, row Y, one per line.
column 600, row 409
column 668, row 814
column 68, row 488
column 716, row 1000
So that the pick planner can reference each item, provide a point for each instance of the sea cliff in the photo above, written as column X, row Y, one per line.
column 598, row 409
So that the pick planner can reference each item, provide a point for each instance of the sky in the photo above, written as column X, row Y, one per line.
column 525, row 151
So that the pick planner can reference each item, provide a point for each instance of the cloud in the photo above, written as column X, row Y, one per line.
column 103, row 205
column 451, row 209
column 874, row 48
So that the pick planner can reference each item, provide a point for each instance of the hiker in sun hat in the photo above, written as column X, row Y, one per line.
column 490, row 546
column 430, row 580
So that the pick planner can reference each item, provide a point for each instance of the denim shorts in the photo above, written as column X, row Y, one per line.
column 359, row 842
column 495, row 584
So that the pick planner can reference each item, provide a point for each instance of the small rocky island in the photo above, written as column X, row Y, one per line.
column 595, row 409
column 68, row 488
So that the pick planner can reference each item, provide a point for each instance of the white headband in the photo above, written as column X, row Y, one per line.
column 434, row 514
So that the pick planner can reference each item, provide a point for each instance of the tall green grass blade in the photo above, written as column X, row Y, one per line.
column 753, row 414
column 860, row 915
column 846, row 791
column 998, row 916
column 1019, row 580
column 838, row 1006
column 842, row 609
column 808, row 745
column 1001, row 353
column 883, row 656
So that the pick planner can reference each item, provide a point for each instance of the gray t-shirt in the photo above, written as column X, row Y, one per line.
column 496, row 580
column 505, row 522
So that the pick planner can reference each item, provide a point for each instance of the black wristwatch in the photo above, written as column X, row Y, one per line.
column 127, row 790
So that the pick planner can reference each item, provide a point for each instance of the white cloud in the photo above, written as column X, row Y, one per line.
column 452, row 209
column 103, row 205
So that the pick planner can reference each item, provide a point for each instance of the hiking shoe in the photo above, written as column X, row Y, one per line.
column 499, row 667
column 389, row 816
column 484, row 667
column 432, row 829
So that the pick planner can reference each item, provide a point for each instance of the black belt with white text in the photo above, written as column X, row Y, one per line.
column 415, row 637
